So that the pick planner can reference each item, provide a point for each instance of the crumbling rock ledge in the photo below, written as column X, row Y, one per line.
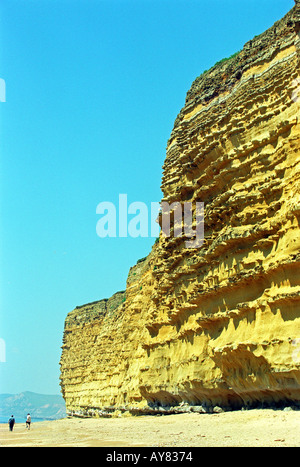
column 217, row 326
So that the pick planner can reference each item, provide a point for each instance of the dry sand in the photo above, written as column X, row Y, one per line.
column 242, row 428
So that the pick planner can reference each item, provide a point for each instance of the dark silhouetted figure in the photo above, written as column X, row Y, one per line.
column 11, row 423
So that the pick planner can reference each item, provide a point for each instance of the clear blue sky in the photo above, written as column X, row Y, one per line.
column 92, row 91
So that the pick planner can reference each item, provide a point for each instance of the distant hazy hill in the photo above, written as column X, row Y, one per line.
column 38, row 405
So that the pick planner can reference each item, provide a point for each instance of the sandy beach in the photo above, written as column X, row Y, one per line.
column 253, row 428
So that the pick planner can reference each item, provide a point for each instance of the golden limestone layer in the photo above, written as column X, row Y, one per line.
column 220, row 324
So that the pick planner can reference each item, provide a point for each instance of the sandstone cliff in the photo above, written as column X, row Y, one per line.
column 217, row 325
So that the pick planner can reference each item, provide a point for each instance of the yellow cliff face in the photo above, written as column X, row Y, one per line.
column 220, row 324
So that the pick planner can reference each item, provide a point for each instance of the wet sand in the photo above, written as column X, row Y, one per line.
column 253, row 428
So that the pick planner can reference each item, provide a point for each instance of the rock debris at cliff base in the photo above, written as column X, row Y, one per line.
column 218, row 325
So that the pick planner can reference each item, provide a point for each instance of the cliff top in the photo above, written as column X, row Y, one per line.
column 226, row 73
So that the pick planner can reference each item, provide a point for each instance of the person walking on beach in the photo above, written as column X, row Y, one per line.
column 11, row 423
column 28, row 421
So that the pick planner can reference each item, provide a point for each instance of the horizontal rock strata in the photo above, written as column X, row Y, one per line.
column 217, row 325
